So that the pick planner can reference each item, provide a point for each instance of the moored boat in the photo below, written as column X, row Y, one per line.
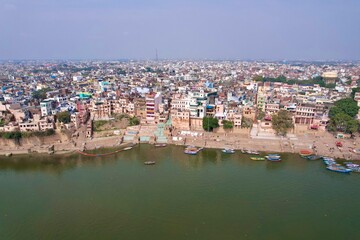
column 149, row 162
column 338, row 168
column 257, row 158
column 228, row 150
column 192, row 150
column 273, row 158
column 329, row 160
column 252, row 152
column 313, row 157
column 160, row 145
column 127, row 148
column 305, row 153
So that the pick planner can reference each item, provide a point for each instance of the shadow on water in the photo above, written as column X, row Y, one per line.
column 57, row 164
column 54, row 164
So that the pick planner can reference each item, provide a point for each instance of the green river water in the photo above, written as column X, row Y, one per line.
column 208, row 196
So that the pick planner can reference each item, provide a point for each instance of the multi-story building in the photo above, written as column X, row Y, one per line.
column 272, row 108
column 305, row 114
column 260, row 99
column 152, row 105
column 29, row 127
column 237, row 120
column 181, row 103
column 46, row 107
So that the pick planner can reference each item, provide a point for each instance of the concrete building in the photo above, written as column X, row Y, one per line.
column 330, row 77
column 152, row 105
column 305, row 114
column 46, row 108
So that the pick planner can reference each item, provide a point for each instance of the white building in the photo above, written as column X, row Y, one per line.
column 46, row 108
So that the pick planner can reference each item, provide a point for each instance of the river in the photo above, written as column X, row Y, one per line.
column 208, row 196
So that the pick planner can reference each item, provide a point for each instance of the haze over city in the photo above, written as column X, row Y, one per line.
column 197, row 29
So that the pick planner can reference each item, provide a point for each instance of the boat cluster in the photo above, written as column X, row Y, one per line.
column 354, row 167
column 332, row 165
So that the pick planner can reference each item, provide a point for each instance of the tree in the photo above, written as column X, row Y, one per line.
column 63, row 117
column 354, row 90
column 282, row 122
column 227, row 124
column 17, row 136
column 260, row 115
column 334, row 111
column 209, row 123
column 258, row 79
column 40, row 94
column 246, row 122
column 330, row 85
column 133, row 121
column 344, row 123
column 348, row 106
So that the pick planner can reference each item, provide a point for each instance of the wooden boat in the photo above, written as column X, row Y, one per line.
column 273, row 158
column 160, row 144
column 228, row 150
column 243, row 151
column 253, row 152
column 313, row 157
column 149, row 162
column 257, row 158
column 329, row 160
column 192, row 150
column 355, row 170
column 338, row 168
column 305, row 153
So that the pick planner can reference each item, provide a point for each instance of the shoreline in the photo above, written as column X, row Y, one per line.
column 124, row 145
column 324, row 145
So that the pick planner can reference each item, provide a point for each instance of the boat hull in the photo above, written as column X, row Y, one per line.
column 339, row 170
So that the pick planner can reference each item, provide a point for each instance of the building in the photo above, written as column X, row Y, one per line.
column 272, row 108
column 305, row 114
column 46, row 108
column 330, row 77
column 152, row 105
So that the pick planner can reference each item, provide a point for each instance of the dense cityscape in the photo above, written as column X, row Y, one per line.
column 161, row 99
column 179, row 120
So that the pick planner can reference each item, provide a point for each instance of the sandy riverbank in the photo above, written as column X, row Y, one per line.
column 324, row 145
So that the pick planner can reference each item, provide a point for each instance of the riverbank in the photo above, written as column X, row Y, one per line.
column 322, row 145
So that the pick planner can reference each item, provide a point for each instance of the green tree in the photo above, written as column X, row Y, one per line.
column 348, row 106
column 258, row 79
column 260, row 115
column 40, row 94
column 209, row 123
column 334, row 111
column 330, row 85
column 344, row 123
column 133, row 121
column 227, row 124
column 354, row 90
column 63, row 117
column 246, row 122
column 282, row 122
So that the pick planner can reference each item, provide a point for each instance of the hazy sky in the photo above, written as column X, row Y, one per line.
column 200, row 29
